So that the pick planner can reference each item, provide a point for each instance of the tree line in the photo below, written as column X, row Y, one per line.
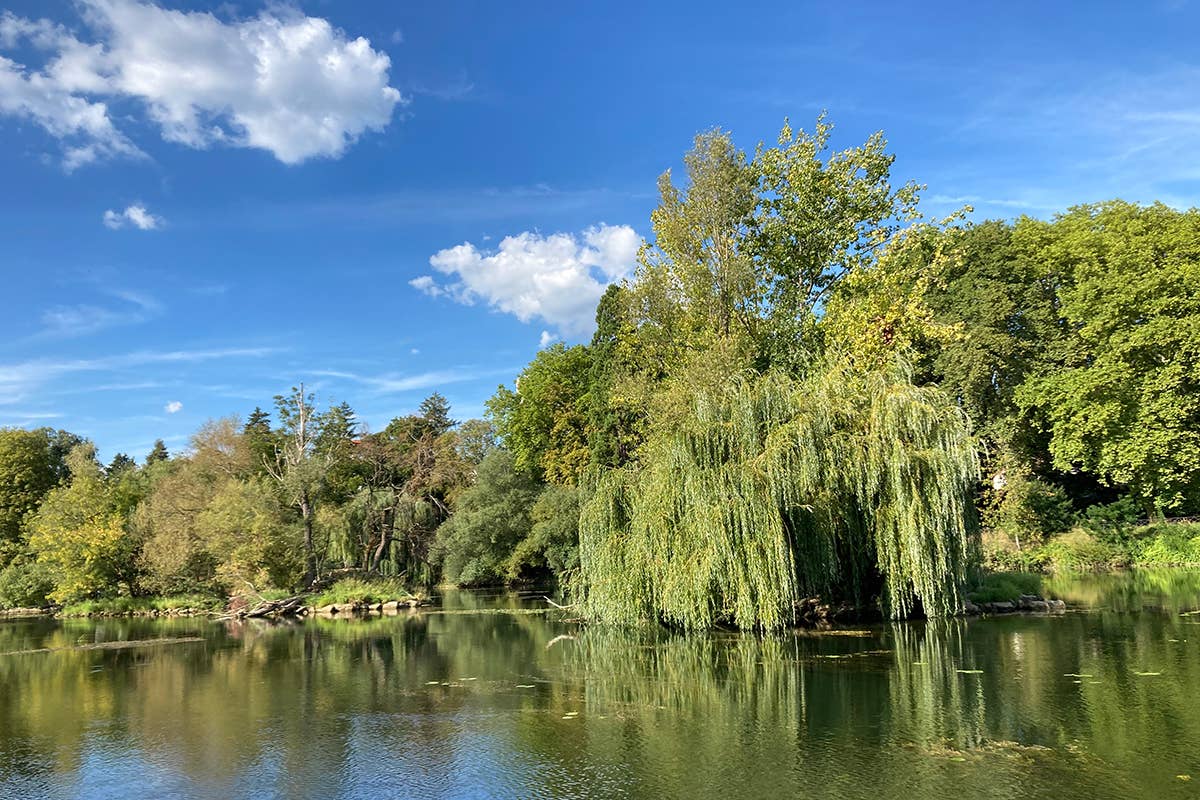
column 806, row 388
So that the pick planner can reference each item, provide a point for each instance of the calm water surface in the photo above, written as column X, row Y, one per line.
column 1103, row 702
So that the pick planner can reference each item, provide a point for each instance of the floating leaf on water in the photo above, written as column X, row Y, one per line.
column 524, row 685
column 1184, row 777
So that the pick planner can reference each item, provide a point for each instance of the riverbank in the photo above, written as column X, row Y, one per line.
column 347, row 597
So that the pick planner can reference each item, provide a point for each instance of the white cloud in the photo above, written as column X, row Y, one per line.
column 173, row 407
column 283, row 82
column 547, row 339
column 135, row 215
column 557, row 278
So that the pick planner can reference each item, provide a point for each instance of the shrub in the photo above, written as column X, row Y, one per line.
column 1112, row 523
column 1079, row 550
column 25, row 584
column 1000, row 587
column 1029, row 510
column 1167, row 544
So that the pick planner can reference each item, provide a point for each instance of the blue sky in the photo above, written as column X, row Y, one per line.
column 203, row 204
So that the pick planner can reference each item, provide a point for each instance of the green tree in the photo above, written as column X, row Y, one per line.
column 119, row 464
column 299, row 469
column 29, row 468
column 79, row 532
column 158, row 453
column 490, row 518
column 544, row 422
column 261, row 441
column 1121, row 397
column 551, row 549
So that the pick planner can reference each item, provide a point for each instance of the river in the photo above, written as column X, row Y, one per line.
column 489, row 696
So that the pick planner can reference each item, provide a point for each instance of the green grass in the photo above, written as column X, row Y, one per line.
column 356, row 590
column 1000, row 587
column 133, row 605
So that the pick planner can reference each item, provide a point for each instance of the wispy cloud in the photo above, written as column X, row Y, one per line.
column 20, row 419
column 86, row 318
column 1048, row 145
column 396, row 383
column 20, row 380
column 173, row 407
column 433, row 205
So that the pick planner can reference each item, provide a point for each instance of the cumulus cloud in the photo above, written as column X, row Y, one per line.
column 173, row 407
column 557, row 279
column 135, row 215
column 283, row 82
column 547, row 339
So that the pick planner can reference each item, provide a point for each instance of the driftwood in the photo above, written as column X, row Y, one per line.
column 556, row 605
column 287, row 607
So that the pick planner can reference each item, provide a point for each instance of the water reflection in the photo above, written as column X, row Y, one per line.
column 486, row 700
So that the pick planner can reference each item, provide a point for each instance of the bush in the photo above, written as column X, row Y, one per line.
column 25, row 584
column 357, row 590
column 1030, row 510
column 1167, row 544
column 1000, row 554
column 1079, row 550
column 1112, row 523
column 999, row 587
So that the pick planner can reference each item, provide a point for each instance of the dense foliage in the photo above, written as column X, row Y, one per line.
column 806, row 388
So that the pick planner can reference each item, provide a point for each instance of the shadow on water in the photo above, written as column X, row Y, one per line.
column 1098, row 703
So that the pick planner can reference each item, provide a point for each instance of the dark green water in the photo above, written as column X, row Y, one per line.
column 454, row 705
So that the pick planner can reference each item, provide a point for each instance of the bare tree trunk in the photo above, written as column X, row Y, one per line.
column 385, row 538
column 310, row 553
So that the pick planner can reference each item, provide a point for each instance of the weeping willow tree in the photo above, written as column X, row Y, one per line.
column 847, row 482
column 385, row 531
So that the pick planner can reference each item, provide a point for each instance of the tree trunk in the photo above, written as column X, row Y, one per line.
column 310, row 554
column 385, row 538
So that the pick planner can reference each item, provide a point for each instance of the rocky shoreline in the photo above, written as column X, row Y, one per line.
column 294, row 607
column 1026, row 602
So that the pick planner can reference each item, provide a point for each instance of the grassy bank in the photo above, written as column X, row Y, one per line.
column 357, row 591
column 1164, row 544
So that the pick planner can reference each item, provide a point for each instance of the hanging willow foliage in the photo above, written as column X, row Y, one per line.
column 775, row 489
